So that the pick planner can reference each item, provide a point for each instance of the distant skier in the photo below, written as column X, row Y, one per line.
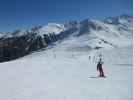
column 99, row 68
column 89, row 57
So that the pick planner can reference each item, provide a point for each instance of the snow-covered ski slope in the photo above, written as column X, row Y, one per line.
column 56, row 74
column 66, row 70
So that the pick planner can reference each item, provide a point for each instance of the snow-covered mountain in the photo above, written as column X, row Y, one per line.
column 21, row 42
column 64, row 75
column 92, row 34
column 40, row 30
column 66, row 69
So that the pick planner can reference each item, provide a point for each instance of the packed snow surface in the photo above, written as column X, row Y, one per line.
column 56, row 74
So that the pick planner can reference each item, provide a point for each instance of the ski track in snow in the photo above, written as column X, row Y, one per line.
column 56, row 75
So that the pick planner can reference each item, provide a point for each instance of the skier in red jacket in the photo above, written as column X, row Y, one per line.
column 99, row 68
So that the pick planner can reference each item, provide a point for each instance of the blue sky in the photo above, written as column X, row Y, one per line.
column 19, row 14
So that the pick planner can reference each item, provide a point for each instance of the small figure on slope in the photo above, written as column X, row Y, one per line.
column 99, row 68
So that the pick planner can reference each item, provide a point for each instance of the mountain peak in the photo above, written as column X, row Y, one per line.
column 118, row 19
column 126, row 16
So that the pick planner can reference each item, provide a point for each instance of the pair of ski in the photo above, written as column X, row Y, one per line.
column 97, row 77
